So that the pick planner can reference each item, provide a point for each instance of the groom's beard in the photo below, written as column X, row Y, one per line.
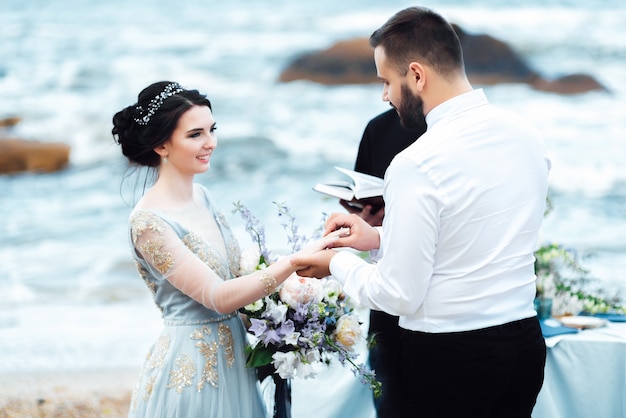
column 411, row 110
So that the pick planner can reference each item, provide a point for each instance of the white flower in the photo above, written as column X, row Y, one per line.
column 249, row 261
column 348, row 331
column 308, row 358
column 300, row 290
column 286, row 363
column 254, row 306
column 332, row 290
column 276, row 312
column 312, row 356
column 292, row 339
column 306, row 370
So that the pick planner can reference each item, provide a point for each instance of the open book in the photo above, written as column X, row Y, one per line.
column 362, row 189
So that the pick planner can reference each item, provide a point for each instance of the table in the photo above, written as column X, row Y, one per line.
column 585, row 375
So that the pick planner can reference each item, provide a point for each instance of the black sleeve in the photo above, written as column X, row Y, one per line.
column 382, row 139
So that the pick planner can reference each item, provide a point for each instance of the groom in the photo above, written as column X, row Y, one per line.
column 382, row 139
column 464, row 205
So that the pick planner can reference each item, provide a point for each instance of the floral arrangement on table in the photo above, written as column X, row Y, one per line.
column 554, row 265
column 305, row 321
column 561, row 276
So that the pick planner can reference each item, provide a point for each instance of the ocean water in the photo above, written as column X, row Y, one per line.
column 69, row 296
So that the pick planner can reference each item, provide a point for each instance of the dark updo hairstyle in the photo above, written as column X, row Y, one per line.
column 138, row 136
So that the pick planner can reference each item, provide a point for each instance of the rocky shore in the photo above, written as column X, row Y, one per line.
column 488, row 61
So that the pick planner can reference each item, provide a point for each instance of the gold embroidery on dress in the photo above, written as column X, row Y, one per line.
column 159, row 352
column 151, row 285
column 198, row 333
column 149, row 387
column 162, row 261
column 182, row 377
column 207, row 254
column 234, row 256
column 208, row 349
column 135, row 395
column 146, row 278
column 142, row 271
column 197, row 246
column 232, row 246
column 226, row 341
column 142, row 220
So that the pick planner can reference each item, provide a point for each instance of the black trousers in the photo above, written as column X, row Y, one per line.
column 384, row 359
column 494, row 372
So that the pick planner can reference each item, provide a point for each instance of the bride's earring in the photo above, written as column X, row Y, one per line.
column 165, row 160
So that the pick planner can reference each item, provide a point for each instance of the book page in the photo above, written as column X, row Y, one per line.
column 338, row 189
column 364, row 184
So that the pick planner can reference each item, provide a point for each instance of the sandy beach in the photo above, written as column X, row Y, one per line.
column 84, row 394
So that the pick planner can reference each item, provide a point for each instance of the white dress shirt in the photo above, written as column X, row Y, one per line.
column 464, row 205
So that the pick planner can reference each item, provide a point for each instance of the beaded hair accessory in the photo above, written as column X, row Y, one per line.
column 154, row 105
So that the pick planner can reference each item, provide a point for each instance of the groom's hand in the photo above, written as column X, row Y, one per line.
column 313, row 264
column 309, row 258
column 361, row 236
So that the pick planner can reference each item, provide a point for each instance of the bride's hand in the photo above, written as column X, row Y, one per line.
column 323, row 243
column 313, row 259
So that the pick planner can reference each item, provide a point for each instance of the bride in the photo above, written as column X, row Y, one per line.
column 189, row 259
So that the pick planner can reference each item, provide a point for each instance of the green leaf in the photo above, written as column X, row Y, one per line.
column 260, row 356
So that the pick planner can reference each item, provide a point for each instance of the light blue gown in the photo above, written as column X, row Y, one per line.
column 196, row 368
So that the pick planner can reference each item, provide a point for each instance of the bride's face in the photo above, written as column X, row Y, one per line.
column 192, row 143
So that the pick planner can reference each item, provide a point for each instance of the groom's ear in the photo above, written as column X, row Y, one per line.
column 416, row 75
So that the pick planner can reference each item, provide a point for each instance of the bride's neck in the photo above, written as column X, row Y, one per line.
column 175, row 189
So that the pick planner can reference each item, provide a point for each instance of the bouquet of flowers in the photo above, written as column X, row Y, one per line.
column 305, row 321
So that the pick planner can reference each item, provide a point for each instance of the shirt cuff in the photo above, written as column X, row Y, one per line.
column 341, row 264
column 377, row 254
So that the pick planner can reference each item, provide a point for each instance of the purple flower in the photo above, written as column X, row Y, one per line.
column 258, row 326
column 288, row 331
column 270, row 337
column 291, row 228
column 287, row 327
column 301, row 313
column 256, row 231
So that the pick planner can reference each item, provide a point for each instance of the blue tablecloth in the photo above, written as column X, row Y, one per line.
column 613, row 317
column 585, row 375
column 551, row 327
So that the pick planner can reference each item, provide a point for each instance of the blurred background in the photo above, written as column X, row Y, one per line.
column 69, row 295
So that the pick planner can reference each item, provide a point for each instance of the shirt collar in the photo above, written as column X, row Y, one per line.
column 455, row 105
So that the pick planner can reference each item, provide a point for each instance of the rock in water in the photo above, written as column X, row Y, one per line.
column 17, row 155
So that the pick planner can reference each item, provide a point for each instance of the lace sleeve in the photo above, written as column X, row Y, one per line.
column 160, row 246
column 156, row 241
